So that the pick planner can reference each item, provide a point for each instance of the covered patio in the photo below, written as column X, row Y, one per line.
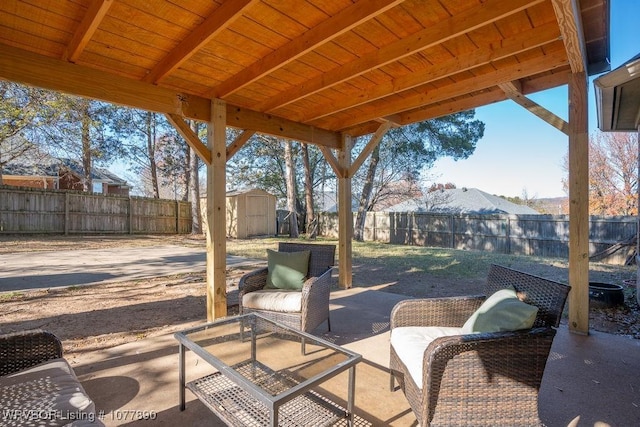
column 586, row 382
column 321, row 73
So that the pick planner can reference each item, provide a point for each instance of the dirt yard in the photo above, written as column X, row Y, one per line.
column 89, row 318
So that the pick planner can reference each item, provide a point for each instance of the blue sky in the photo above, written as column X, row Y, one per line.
column 520, row 153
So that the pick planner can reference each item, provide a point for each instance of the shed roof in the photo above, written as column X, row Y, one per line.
column 303, row 69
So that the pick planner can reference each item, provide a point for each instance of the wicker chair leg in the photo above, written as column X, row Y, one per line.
column 392, row 382
column 329, row 322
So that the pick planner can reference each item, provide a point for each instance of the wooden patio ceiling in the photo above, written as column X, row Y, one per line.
column 303, row 69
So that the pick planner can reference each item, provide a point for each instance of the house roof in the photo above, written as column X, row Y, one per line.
column 618, row 98
column 303, row 69
column 463, row 201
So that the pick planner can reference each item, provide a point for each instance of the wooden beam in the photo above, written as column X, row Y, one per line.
column 217, row 213
column 371, row 145
column 239, row 142
column 425, row 96
column 484, row 14
column 570, row 21
column 192, row 139
column 578, row 204
column 513, row 90
column 324, row 32
column 96, row 12
column 522, row 42
column 474, row 100
column 219, row 20
column 37, row 70
column 345, row 218
column 242, row 118
column 333, row 162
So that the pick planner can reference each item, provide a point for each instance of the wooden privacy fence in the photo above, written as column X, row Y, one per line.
column 26, row 210
column 539, row 235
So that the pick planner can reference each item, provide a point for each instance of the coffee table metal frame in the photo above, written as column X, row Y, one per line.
column 291, row 398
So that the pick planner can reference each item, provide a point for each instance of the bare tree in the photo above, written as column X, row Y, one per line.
column 310, row 223
column 291, row 188
column 613, row 173
column 194, row 186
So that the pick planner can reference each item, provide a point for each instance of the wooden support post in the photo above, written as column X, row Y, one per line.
column 216, row 213
column 345, row 215
column 578, row 205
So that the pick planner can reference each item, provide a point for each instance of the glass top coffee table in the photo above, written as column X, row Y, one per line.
column 264, row 374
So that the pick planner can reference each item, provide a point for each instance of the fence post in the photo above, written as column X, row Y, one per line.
column 177, row 217
column 66, row 213
column 453, row 232
column 130, row 215
column 508, row 233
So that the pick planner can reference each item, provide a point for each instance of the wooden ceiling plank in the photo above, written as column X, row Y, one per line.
column 38, row 70
column 96, row 12
column 192, row 139
column 416, row 98
column 476, row 17
column 239, row 142
column 513, row 90
column 570, row 22
column 328, row 30
column 215, row 23
column 526, row 40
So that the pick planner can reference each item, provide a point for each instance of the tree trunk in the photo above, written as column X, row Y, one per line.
column 87, row 182
column 194, row 187
column 311, row 225
column 291, row 189
column 153, row 168
column 365, row 198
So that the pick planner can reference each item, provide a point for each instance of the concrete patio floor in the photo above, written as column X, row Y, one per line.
column 589, row 380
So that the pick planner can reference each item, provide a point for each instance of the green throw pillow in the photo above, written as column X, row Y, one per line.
column 287, row 270
column 502, row 311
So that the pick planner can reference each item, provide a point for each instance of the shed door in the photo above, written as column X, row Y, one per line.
column 257, row 215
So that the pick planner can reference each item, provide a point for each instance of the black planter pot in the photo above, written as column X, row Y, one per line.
column 605, row 294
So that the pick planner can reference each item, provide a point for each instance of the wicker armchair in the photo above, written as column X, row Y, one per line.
column 483, row 379
column 22, row 350
column 315, row 292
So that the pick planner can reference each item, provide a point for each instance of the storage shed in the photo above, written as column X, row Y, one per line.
column 250, row 213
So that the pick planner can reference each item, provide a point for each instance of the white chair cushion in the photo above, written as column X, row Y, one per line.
column 410, row 342
column 49, row 388
column 281, row 300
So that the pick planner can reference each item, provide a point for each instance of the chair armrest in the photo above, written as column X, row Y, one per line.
column 452, row 311
column 316, row 286
column 489, row 381
column 24, row 349
column 252, row 281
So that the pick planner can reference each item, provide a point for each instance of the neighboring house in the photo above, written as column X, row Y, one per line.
column 327, row 201
column 61, row 174
column 462, row 201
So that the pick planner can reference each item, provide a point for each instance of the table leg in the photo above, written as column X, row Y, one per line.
column 181, row 375
column 351, row 394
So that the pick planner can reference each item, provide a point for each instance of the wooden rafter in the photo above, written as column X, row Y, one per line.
column 192, row 139
column 54, row 74
column 448, row 29
column 333, row 27
column 239, row 142
column 513, row 90
column 215, row 23
column 522, row 42
column 417, row 98
column 96, row 11
column 570, row 22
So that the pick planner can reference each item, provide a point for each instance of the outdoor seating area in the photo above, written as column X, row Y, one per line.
column 586, row 378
